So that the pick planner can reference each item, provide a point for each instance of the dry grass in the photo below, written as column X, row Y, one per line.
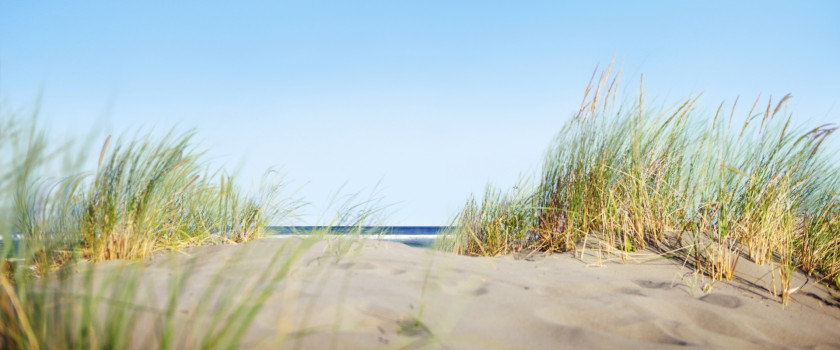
column 634, row 175
column 147, row 194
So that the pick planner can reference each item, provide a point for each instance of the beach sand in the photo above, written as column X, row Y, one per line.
column 389, row 295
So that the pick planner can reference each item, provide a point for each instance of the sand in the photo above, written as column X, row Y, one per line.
column 374, row 296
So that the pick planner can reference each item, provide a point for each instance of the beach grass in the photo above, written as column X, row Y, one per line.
column 704, row 188
column 641, row 177
column 500, row 223
column 147, row 194
column 83, row 273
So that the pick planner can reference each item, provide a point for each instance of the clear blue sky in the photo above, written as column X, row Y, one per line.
column 435, row 99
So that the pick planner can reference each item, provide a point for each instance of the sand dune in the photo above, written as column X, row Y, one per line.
column 375, row 295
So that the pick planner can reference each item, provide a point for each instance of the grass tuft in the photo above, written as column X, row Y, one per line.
column 639, row 177
column 146, row 194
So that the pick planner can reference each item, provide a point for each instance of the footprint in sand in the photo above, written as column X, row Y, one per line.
column 356, row 266
column 481, row 291
column 653, row 285
column 727, row 301
column 471, row 288
column 631, row 291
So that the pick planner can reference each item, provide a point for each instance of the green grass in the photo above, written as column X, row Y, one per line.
column 636, row 176
column 498, row 225
column 629, row 175
column 147, row 194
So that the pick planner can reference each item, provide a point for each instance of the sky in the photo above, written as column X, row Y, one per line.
column 414, row 104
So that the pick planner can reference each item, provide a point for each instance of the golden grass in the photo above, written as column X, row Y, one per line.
column 633, row 175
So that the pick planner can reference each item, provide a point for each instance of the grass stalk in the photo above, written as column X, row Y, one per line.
column 636, row 175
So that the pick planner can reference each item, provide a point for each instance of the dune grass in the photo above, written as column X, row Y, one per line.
column 146, row 194
column 639, row 177
column 500, row 224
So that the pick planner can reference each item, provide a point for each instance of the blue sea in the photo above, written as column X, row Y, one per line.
column 416, row 236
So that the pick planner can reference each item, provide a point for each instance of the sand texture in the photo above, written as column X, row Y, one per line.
column 388, row 295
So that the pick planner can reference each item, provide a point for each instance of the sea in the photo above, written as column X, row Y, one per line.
column 415, row 236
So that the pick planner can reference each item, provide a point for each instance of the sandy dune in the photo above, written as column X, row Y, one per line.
column 374, row 297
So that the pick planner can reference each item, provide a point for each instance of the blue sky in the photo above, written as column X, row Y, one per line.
column 431, row 100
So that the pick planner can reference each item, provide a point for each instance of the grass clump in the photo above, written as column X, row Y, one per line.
column 146, row 194
column 637, row 177
column 150, row 195
column 498, row 225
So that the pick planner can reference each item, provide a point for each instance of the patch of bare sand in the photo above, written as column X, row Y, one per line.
column 388, row 295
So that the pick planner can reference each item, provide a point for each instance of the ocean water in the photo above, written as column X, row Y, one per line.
column 416, row 236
